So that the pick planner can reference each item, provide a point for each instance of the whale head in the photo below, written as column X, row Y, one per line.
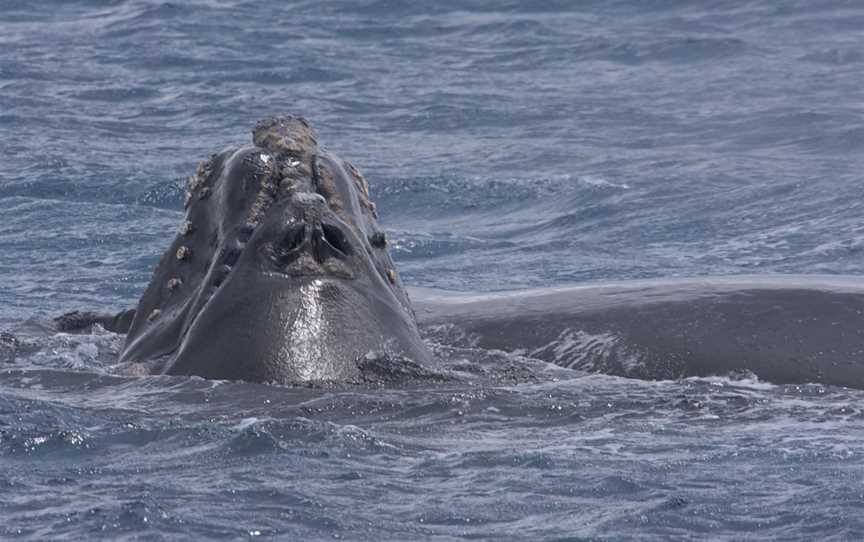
column 279, row 272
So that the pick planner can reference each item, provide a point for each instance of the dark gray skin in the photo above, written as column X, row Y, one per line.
column 279, row 273
column 783, row 329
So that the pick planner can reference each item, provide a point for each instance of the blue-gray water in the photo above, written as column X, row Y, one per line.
column 508, row 144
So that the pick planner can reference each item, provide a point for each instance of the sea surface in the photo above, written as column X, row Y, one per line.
column 508, row 144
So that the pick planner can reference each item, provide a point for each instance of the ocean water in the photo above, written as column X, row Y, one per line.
column 508, row 145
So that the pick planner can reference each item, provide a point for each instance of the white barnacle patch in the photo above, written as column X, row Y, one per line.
column 186, row 228
column 391, row 276
column 187, row 199
column 174, row 283
column 183, row 253
column 154, row 314
column 204, row 169
column 264, row 158
column 193, row 183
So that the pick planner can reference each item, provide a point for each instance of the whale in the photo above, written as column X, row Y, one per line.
column 782, row 329
column 280, row 273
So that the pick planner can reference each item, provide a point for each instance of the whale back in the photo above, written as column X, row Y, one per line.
column 783, row 329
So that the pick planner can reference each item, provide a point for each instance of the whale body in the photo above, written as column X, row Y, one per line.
column 784, row 329
column 280, row 273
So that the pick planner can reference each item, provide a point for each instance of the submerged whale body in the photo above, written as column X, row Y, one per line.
column 280, row 273
column 785, row 329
